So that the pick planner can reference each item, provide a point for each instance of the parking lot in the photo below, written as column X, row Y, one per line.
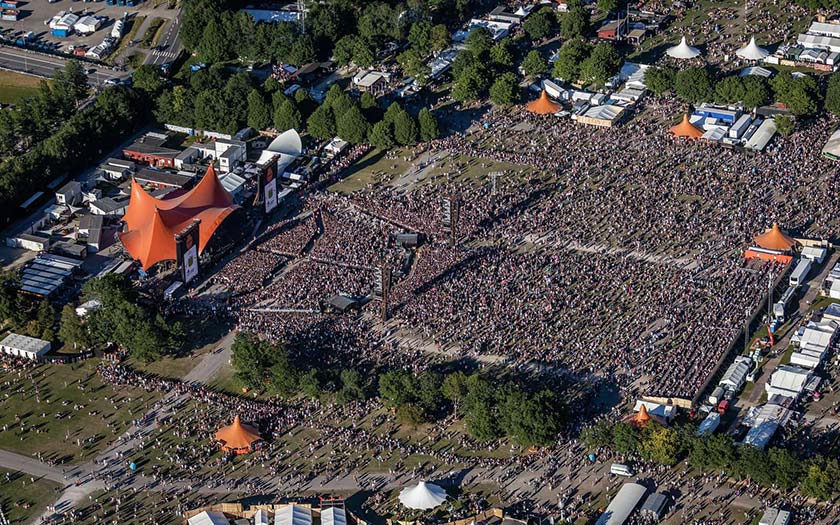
column 36, row 14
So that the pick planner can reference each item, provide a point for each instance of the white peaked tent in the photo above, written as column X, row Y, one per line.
column 683, row 51
column 521, row 12
column 422, row 496
column 751, row 51
column 287, row 144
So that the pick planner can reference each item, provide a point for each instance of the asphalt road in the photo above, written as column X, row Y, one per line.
column 42, row 65
column 169, row 45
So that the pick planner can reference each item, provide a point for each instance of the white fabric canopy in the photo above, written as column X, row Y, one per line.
column 751, row 51
column 422, row 496
column 683, row 51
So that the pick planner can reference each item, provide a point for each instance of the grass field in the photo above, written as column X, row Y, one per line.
column 65, row 412
column 21, row 499
column 15, row 86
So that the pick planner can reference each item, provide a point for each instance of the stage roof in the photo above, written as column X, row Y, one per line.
column 151, row 224
column 543, row 105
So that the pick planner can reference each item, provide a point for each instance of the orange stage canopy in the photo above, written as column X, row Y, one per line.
column 151, row 224
column 774, row 239
column 238, row 437
column 543, row 105
column 686, row 129
column 642, row 417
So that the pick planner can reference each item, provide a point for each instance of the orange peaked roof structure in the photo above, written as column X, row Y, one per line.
column 151, row 224
column 686, row 129
column 238, row 437
column 543, row 105
column 642, row 417
column 775, row 239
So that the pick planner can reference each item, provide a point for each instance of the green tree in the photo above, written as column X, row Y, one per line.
column 351, row 386
column 382, row 135
column 530, row 421
column 534, row 64
column 344, row 48
column 818, row 483
column 405, row 129
column 799, row 94
column 602, row 63
column 501, row 53
column 659, row 79
column 505, row 90
column 45, row 316
column 309, row 384
column 71, row 330
column 753, row 463
column 429, row 128
column 259, row 113
column 832, row 94
column 694, row 85
column 414, row 66
column 784, row 124
column 287, row 116
column 575, row 23
column 659, row 444
column 214, row 44
column 479, row 41
column 321, row 123
column 251, row 359
column 352, row 126
column 756, row 92
column 625, row 438
column 396, row 387
column 420, row 35
column 454, row 389
column 729, row 90
column 411, row 414
column 480, row 411
column 787, row 468
column 597, row 436
column 147, row 78
column 439, row 38
column 606, row 6
column 573, row 53
column 539, row 24
column 285, row 376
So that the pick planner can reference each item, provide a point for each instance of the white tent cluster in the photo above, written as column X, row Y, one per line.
column 683, row 51
column 423, row 496
column 752, row 51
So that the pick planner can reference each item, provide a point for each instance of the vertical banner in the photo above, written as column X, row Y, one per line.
column 187, row 252
column 269, row 184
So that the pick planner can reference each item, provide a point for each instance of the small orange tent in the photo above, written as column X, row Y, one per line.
column 238, row 437
column 543, row 105
column 775, row 239
column 642, row 417
column 686, row 129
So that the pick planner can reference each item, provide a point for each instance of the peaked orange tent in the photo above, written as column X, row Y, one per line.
column 238, row 437
column 686, row 129
column 151, row 224
column 543, row 105
column 775, row 239
column 642, row 417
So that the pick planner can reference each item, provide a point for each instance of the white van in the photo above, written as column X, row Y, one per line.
column 800, row 273
column 620, row 469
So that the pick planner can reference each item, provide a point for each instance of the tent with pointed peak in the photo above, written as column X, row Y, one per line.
column 751, row 51
column 775, row 239
column 238, row 437
column 423, row 496
column 642, row 416
column 543, row 105
column 686, row 129
column 683, row 51
column 151, row 223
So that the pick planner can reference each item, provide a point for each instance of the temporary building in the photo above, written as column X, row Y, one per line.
column 543, row 105
column 760, row 435
column 24, row 346
column 683, row 51
column 622, row 505
column 261, row 517
column 333, row 516
column 736, row 375
column 151, row 224
column 709, row 425
column 422, row 496
column 788, row 381
column 774, row 239
column 238, row 437
column 654, row 505
column 686, row 129
column 293, row 515
column 209, row 517
column 751, row 51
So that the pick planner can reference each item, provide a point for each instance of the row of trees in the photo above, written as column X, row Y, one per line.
column 214, row 99
column 700, row 84
column 23, row 314
column 490, row 408
column 351, row 29
column 42, row 141
column 580, row 61
column 121, row 320
column 777, row 468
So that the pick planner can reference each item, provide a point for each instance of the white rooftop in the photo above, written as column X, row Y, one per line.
column 683, row 51
column 751, row 51
column 422, row 496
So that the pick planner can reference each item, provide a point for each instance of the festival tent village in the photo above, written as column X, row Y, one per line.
column 423, row 496
column 683, row 51
column 152, row 224
column 543, row 105
column 238, row 437
column 686, row 129
column 772, row 245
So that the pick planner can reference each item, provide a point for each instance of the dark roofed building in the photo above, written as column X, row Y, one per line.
column 162, row 179
column 151, row 150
